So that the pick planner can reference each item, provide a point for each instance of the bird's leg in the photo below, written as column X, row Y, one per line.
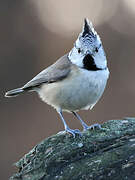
column 85, row 126
column 67, row 129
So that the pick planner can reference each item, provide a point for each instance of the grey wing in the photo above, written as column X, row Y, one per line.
column 53, row 73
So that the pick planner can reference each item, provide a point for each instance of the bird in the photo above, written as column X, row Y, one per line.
column 76, row 81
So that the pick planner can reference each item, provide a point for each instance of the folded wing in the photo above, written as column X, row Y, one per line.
column 53, row 73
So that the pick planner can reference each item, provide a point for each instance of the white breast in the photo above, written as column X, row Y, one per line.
column 80, row 90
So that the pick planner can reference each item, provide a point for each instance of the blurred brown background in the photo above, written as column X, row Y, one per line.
column 33, row 34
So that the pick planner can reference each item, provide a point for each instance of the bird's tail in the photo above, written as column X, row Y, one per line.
column 14, row 92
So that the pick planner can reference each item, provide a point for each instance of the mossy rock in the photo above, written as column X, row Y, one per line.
column 100, row 154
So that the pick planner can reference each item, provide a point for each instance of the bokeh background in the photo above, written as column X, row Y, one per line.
column 33, row 34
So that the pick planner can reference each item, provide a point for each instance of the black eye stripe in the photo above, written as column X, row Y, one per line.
column 79, row 50
column 89, row 64
column 96, row 49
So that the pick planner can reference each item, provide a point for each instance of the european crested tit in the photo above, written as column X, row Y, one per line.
column 76, row 81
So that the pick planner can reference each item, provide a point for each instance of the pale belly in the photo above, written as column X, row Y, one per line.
column 80, row 91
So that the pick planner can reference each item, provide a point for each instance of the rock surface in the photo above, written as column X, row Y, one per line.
column 100, row 154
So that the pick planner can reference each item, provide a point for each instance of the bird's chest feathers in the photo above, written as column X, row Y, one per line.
column 88, row 87
column 90, row 83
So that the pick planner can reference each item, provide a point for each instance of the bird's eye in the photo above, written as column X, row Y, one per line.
column 96, row 49
column 79, row 50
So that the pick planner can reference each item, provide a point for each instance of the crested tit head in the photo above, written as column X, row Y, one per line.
column 88, row 51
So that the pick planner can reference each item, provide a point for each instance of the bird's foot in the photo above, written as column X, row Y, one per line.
column 92, row 127
column 74, row 132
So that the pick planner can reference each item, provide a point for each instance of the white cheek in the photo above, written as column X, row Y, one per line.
column 100, row 59
column 76, row 58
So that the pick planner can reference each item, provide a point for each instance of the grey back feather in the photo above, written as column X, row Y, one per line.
column 53, row 73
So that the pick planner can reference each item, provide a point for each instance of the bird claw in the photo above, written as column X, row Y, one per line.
column 74, row 132
column 93, row 127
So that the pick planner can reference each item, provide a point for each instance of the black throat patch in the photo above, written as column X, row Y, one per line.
column 89, row 64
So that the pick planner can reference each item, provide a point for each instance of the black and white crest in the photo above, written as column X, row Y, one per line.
column 89, row 36
column 88, row 29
